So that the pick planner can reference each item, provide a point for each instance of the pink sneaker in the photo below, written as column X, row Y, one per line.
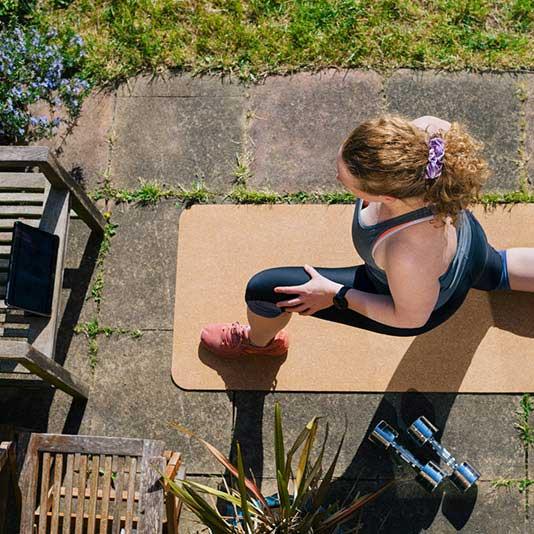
column 230, row 340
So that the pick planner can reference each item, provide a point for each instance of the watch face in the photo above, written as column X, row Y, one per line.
column 340, row 301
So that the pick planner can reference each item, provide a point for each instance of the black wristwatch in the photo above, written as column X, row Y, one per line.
column 340, row 302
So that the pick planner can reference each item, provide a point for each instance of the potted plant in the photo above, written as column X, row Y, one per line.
column 299, row 504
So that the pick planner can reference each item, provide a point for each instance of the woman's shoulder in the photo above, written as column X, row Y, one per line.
column 423, row 244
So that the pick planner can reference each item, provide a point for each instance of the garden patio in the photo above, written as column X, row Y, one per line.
column 151, row 148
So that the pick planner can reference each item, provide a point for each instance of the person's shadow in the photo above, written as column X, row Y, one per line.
column 400, row 406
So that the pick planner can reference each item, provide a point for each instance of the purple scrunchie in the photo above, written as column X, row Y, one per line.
column 436, row 153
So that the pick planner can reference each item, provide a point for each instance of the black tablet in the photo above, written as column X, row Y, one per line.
column 32, row 269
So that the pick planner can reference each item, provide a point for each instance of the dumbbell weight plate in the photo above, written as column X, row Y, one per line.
column 383, row 434
column 421, row 430
column 430, row 476
column 464, row 476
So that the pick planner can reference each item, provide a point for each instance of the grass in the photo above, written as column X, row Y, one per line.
column 150, row 192
column 98, row 285
column 526, row 435
column 526, row 432
column 250, row 39
column 92, row 330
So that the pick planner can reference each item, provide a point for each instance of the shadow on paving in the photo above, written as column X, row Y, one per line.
column 416, row 513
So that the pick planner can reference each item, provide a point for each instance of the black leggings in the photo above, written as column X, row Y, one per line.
column 486, row 270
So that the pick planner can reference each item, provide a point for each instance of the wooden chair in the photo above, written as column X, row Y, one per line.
column 75, row 484
column 42, row 199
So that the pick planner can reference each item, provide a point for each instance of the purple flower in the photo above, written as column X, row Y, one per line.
column 77, row 40
column 436, row 153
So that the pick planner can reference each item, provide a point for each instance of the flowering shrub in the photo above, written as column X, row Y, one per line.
column 31, row 69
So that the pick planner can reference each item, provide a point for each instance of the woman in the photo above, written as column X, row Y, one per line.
column 423, row 249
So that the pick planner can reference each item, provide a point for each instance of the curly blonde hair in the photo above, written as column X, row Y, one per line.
column 389, row 154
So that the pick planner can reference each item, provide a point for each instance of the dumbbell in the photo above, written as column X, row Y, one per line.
column 463, row 475
column 429, row 475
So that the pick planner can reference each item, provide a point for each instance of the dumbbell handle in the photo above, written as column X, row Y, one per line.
column 443, row 453
column 406, row 455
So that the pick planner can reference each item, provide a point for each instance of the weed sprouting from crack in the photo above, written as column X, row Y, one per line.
column 92, row 330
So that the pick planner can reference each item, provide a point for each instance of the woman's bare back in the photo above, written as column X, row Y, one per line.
column 438, row 241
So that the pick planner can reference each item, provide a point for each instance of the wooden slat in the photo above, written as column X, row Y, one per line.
column 7, row 223
column 25, row 198
column 31, row 156
column 22, row 352
column 27, row 181
column 104, row 507
column 69, row 480
column 174, row 462
column 6, row 237
column 9, row 318
column 80, row 501
column 100, row 493
column 43, row 330
column 56, row 495
column 5, row 250
column 116, row 526
column 31, row 212
column 91, row 444
column 151, row 505
column 98, row 517
column 95, row 466
column 45, row 479
column 14, row 332
column 131, row 494
column 28, row 483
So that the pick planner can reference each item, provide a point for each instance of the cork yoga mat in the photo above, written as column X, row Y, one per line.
column 486, row 346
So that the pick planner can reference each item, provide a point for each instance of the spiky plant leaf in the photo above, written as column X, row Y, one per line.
column 279, row 451
column 224, row 461
column 345, row 513
column 203, row 510
column 242, row 489
column 303, row 464
column 298, row 442
column 323, row 487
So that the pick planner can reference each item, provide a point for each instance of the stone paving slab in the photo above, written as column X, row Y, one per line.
column 178, row 131
column 300, row 121
column 140, row 270
column 79, row 276
column 408, row 509
column 82, row 149
column 179, row 84
column 134, row 396
column 529, row 134
column 462, row 419
column 485, row 103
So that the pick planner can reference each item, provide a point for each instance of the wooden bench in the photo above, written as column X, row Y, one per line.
column 43, row 198
column 98, row 485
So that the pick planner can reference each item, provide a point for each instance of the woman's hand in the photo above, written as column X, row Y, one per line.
column 314, row 295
